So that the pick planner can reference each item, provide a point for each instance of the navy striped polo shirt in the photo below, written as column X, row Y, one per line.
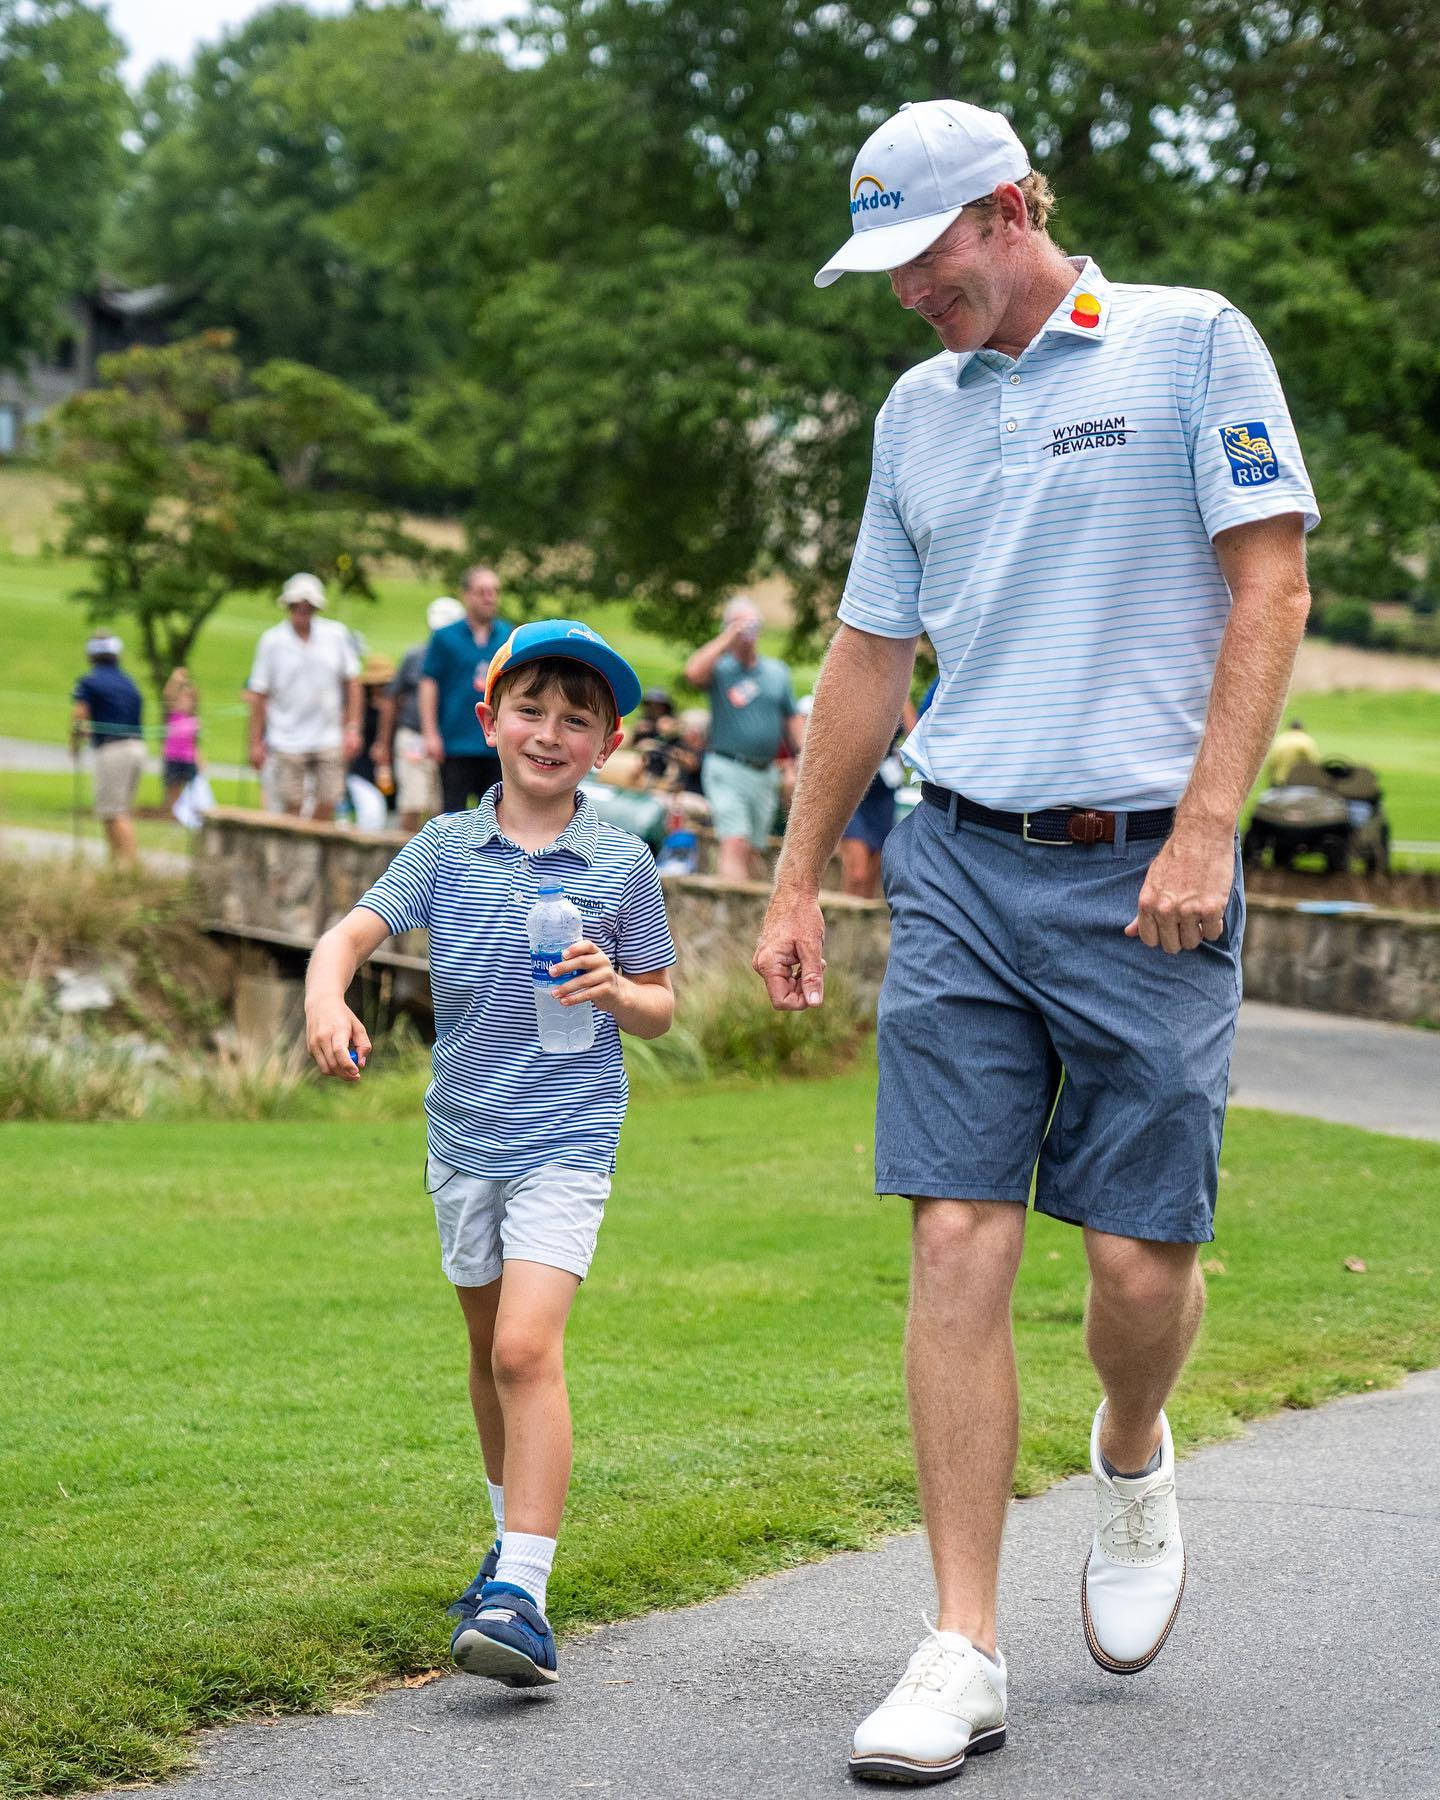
column 498, row 1104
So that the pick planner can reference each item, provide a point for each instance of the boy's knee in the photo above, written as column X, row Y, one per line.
column 520, row 1354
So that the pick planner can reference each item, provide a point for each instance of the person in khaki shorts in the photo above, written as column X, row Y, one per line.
column 109, row 706
column 417, row 776
column 305, row 672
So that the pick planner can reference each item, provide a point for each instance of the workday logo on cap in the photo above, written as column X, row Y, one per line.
column 870, row 192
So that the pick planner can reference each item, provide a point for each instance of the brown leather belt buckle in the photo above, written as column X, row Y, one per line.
column 1090, row 827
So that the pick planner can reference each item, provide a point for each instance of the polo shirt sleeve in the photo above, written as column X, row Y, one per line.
column 434, row 663
column 1243, row 446
column 642, row 940
column 403, row 893
column 882, row 591
column 350, row 658
column 260, row 674
column 81, row 691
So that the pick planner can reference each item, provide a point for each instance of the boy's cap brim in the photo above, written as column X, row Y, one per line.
column 568, row 638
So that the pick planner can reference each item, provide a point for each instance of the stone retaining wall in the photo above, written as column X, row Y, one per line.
column 293, row 878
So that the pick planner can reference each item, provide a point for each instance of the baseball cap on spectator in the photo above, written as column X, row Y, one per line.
column 302, row 588
column 804, row 704
column 442, row 612
column 103, row 644
column 915, row 174
column 568, row 638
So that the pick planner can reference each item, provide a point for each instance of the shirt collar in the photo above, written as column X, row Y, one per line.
column 1088, row 299
column 580, row 836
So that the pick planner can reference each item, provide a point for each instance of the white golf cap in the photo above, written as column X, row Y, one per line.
column 302, row 587
column 442, row 612
column 103, row 644
column 913, row 176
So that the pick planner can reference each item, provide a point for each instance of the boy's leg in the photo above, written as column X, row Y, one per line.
column 479, row 1305
column 528, row 1369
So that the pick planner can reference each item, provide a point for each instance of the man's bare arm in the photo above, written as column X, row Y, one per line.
column 1189, row 883
column 428, row 696
column 861, row 691
column 701, row 665
column 259, row 707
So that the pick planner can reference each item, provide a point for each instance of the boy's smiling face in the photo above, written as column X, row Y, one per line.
column 546, row 742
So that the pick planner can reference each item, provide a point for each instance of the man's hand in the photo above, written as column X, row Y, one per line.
column 257, row 754
column 788, row 957
column 592, row 976
column 435, row 747
column 331, row 1031
column 350, row 744
column 1186, row 889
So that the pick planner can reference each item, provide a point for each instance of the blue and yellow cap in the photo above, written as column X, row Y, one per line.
column 566, row 637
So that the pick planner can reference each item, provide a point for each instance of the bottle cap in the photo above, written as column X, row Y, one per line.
column 551, row 887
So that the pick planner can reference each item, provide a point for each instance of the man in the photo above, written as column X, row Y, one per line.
column 305, row 702
column 1094, row 504
column 1293, row 745
column 401, row 750
column 108, row 704
column 752, row 713
column 452, row 681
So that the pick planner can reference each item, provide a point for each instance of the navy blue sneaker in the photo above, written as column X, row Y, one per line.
column 507, row 1638
column 466, row 1604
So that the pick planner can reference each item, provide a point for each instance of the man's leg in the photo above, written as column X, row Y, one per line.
column 1144, row 1311
column 329, row 770
column 734, row 859
column 964, row 1399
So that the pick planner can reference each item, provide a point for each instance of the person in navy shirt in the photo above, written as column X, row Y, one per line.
column 457, row 661
column 109, row 709
column 521, row 1142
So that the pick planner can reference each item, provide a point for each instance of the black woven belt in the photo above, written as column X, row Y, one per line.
column 1057, row 824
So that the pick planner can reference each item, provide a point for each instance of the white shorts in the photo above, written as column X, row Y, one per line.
column 417, row 780
column 549, row 1215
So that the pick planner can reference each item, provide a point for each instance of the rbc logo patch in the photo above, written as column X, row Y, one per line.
column 1247, row 448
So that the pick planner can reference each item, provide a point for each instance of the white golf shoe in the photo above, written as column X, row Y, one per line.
column 949, row 1704
column 1135, row 1574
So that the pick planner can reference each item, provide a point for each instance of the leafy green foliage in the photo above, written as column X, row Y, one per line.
column 196, row 479
column 62, row 109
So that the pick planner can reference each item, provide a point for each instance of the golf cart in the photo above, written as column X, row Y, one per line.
column 1332, row 809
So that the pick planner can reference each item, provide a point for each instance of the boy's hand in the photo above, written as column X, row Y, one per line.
column 595, row 978
column 331, row 1031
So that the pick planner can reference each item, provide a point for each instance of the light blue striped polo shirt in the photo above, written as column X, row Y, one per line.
column 1046, row 521
column 498, row 1104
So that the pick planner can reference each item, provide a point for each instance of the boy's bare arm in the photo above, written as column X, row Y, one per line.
column 331, row 1029
column 643, row 1005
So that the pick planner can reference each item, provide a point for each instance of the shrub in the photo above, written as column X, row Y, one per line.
column 1348, row 622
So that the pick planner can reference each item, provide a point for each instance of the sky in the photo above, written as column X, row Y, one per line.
column 169, row 30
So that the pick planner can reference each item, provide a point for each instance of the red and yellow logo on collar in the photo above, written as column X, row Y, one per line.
column 1086, row 311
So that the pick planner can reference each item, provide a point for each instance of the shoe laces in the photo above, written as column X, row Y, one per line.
column 1136, row 1524
column 932, row 1665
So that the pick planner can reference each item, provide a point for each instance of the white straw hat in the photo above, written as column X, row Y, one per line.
column 302, row 587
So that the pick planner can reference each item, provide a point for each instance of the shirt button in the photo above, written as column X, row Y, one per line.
column 1010, row 425
column 1014, row 381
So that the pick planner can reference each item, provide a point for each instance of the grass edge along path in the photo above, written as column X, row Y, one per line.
column 240, row 1470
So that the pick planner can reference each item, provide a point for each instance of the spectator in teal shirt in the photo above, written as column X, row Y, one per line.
column 452, row 681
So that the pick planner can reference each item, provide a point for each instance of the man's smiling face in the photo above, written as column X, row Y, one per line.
column 962, row 284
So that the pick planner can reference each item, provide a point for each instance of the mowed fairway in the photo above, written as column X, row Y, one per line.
column 234, row 1440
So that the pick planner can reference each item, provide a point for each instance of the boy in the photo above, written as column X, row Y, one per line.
column 521, row 1143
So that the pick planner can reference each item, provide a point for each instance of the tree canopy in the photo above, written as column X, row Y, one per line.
column 582, row 271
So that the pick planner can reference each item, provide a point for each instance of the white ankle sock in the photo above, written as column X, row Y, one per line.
column 526, row 1562
column 497, row 1505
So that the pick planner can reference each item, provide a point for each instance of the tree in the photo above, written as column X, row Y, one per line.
column 196, row 479
column 62, row 110
column 272, row 171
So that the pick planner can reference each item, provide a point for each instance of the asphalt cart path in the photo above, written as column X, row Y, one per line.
column 1350, row 1071
column 1305, row 1662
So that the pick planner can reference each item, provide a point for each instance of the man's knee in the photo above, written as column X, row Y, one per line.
column 967, row 1246
column 1135, row 1276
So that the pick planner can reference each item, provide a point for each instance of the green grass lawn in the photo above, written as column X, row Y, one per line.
column 235, row 1445
column 45, row 632
column 1400, row 735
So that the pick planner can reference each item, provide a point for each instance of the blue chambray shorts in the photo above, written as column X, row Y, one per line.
column 1008, row 968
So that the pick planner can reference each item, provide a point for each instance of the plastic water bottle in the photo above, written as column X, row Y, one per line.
column 555, row 924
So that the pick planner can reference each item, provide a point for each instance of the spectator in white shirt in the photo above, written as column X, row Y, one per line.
column 305, row 702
